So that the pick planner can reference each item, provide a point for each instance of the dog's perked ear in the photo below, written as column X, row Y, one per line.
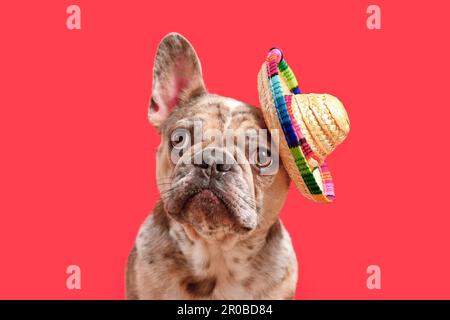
column 177, row 77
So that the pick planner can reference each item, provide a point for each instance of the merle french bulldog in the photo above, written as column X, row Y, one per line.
column 215, row 232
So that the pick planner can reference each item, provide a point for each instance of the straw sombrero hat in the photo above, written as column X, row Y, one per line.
column 312, row 125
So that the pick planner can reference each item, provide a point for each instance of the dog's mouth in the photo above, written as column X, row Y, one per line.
column 206, row 202
column 208, row 206
column 205, row 197
column 210, row 212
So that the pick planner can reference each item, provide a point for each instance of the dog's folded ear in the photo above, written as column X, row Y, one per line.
column 177, row 77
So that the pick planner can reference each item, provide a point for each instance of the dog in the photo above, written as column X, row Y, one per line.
column 215, row 232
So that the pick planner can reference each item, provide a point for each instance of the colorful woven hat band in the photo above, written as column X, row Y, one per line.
column 314, row 172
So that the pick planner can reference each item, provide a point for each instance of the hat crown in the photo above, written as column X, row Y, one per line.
column 323, row 120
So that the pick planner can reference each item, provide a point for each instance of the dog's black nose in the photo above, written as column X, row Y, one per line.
column 223, row 167
column 218, row 160
column 202, row 164
column 216, row 166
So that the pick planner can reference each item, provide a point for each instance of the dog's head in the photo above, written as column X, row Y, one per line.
column 218, row 169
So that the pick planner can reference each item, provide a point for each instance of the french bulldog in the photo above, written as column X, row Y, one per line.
column 215, row 232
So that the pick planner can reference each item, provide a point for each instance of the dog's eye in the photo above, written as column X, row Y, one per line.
column 262, row 157
column 179, row 138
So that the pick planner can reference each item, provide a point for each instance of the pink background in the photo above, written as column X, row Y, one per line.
column 77, row 170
